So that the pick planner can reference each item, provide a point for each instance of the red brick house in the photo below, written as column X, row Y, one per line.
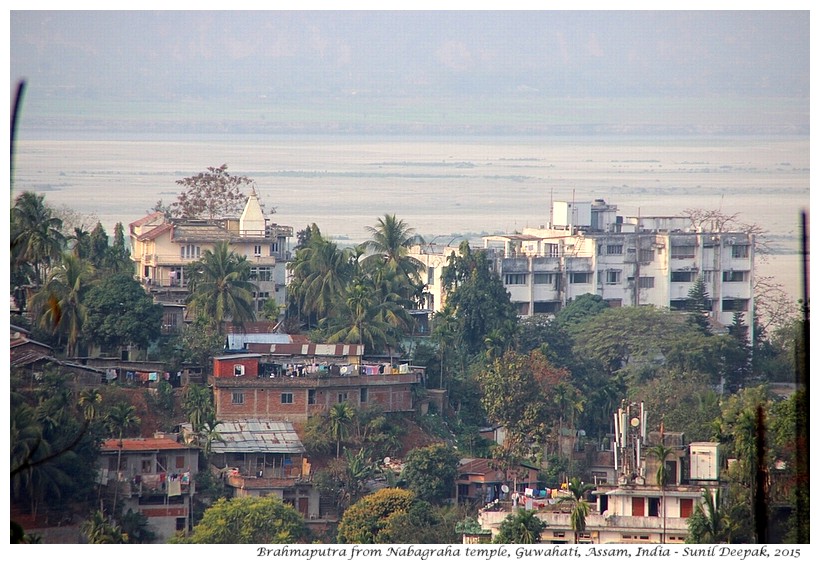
column 293, row 387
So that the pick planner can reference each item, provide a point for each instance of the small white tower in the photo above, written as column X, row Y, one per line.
column 252, row 220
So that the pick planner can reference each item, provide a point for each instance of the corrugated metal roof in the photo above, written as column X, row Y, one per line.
column 257, row 436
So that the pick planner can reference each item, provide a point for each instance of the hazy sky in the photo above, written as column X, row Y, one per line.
column 163, row 55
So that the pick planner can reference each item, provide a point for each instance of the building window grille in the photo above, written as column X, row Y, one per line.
column 683, row 252
column 542, row 278
column 237, row 398
column 683, row 276
column 735, row 275
column 515, row 279
column 646, row 282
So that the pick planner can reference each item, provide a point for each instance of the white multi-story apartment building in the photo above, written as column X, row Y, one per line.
column 589, row 249
column 161, row 248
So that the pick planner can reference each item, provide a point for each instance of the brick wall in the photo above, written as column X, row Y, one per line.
column 242, row 401
column 226, row 367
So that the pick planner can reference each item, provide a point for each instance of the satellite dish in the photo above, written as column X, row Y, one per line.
column 387, row 460
column 505, row 488
column 635, row 421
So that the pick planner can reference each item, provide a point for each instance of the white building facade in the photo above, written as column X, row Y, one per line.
column 628, row 261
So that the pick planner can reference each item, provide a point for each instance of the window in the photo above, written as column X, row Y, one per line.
column 646, row 282
column 580, row 277
column 189, row 251
column 685, row 508
column 257, row 250
column 342, row 397
column 546, row 307
column 683, row 276
column 287, row 397
column 238, row 370
column 683, row 251
column 613, row 276
column 147, row 466
column 180, row 462
column 311, row 397
column 237, row 398
column 709, row 276
column 614, row 302
column 542, row 278
column 654, row 507
column 363, row 395
column 614, row 249
column 740, row 251
column 262, row 273
column 274, row 248
column 646, row 255
column 732, row 304
column 515, row 279
column 431, row 275
column 180, row 524
column 735, row 275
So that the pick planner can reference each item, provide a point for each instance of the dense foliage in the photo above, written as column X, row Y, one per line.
column 248, row 520
column 430, row 472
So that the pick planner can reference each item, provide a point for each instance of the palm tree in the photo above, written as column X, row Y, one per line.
column 120, row 419
column 390, row 240
column 60, row 301
column 340, row 418
column 321, row 271
column 198, row 406
column 220, row 286
column 709, row 526
column 97, row 529
column 89, row 399
column 209, row 435
column 580, row 506
column 31, row 478
column 662, row 452
column 360, row 318
column 35, row 235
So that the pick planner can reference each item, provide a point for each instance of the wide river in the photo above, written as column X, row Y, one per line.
column 446, row 188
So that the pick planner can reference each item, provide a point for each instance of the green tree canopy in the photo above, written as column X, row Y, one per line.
column 119, row 312
column 36, row 239
column 520, row 527
column 248, row 520
column 517, row 393
column 478, row 301
column 368, row 520
column 60, row 304
column 580, row 309
column 431, row 472
column 220, row 286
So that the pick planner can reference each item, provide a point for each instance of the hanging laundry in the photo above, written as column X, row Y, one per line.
column 174, row 488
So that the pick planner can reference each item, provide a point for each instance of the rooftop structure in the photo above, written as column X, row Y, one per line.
column 161, row 247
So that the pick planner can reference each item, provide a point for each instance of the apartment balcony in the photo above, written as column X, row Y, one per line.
column 139, row 485
column 326, row 380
